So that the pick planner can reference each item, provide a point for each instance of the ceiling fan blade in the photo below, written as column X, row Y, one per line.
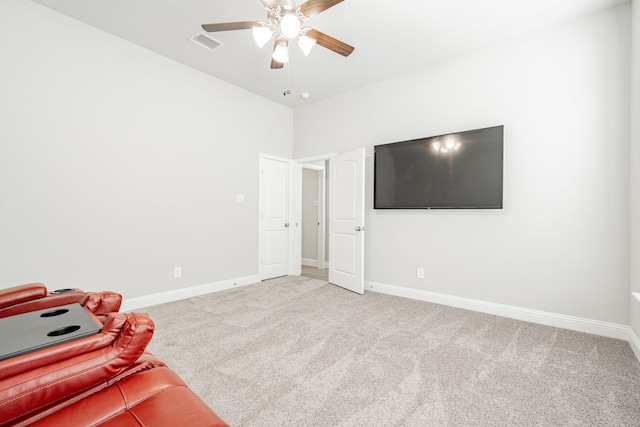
column 314, row 7
column 228, row 26
column 275, row 65
column 330, row 43
column 270, row 4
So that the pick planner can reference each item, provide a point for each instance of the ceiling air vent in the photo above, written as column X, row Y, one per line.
column 206, row 42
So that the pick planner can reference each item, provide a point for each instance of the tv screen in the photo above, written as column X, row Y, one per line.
column 454, row 171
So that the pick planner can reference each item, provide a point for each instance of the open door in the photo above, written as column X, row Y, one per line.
column 346, row 220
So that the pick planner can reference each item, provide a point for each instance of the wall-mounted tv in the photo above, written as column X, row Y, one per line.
column 454, row 171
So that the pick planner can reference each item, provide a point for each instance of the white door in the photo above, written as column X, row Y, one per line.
column 346, row 220
column 274, row 218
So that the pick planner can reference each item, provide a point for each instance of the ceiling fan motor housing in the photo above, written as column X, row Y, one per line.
column 288, row 4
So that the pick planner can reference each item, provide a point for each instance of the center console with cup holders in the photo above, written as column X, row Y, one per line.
column 27, row 332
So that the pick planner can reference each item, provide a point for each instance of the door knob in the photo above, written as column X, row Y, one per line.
column 358, row 228
column 286, row 224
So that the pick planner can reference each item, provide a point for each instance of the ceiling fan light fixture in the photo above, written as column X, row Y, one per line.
column 284, row 23
column 290, row 25
column 306, row 44
column 280, row 53
column 262, row 34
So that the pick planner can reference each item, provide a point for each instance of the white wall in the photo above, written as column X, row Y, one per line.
column 635, row 176
column 117, row 164
column 560, row 244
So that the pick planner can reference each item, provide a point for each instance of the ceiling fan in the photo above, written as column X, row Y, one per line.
column 284, row 23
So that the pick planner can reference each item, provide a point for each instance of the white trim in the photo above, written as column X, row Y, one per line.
column 634, row 342
column 277, row 158
column 316, row 158
column 310, row 262
column 321, row 175
column 178, row 294
column 312, row 166
column 310, row 163
column 322, row 200
column 597, row 327
column 295, row 248
column 295, row 258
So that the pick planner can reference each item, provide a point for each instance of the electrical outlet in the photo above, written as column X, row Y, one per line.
column 420, row 273
column 177, row 272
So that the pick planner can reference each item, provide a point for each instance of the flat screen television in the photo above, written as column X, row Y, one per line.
column 454, row 171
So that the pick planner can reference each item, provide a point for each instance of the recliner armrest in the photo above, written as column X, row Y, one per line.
column 102, row 304
column 19, row 294
column 34, row 381
column 34, row 296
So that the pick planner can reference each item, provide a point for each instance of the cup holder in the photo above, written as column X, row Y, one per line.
column 63, row 331
column 53, row 313
column 62, row 291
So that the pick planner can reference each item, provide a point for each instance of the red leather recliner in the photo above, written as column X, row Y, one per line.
column 105, row 380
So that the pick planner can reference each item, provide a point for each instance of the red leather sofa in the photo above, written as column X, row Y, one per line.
column 106, row 379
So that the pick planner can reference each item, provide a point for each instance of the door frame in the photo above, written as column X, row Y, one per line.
column 322, row 200
column 295, row 210
column 297, row 259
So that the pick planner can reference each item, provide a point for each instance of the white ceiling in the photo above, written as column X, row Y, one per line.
column 390, row 37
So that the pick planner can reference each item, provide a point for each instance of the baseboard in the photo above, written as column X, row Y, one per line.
column 310, row 262
column 136, row 303
column 612, row 330
column 634, row 342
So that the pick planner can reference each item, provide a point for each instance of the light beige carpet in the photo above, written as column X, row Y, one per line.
column 296, row 351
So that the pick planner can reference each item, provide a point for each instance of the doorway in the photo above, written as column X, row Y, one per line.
column 313, row 214
column 280, row 203
column 344, row 196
